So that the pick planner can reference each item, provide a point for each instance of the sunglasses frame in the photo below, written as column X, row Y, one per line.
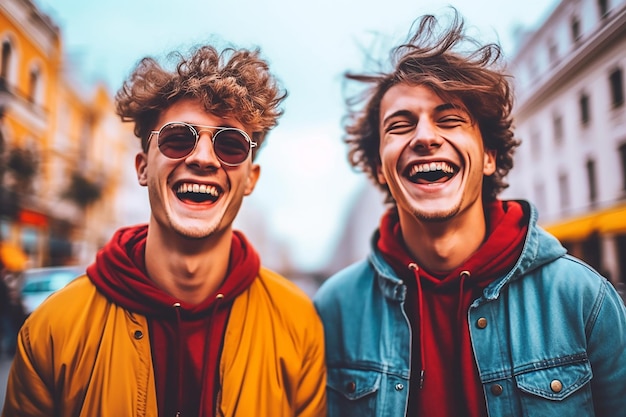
column 196, row 130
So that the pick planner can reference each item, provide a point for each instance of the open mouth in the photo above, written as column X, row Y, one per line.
column 431, row 172
column 197, row 193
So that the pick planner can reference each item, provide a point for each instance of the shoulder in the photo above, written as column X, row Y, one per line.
column 73, row 297
column 570, row 274
column 353, row 279
column 570, row 284
column 63, row 325
column 73, row 307
column 275, row 283
column 276, row 294
column 274, row 305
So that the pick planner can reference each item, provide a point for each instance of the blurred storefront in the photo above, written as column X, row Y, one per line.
column 599, row 238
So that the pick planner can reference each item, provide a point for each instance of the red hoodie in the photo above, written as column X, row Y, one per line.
column 448, row 384
column 186, row 339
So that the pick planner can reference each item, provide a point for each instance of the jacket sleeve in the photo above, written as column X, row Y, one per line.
column 29, row 386
column 311, row 395
column 606, row 329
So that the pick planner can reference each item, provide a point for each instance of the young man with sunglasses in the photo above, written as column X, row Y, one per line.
column 465, row 307
column 177, row 317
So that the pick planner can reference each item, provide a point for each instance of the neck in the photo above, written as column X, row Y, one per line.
column 444, row 246
column 188, row 269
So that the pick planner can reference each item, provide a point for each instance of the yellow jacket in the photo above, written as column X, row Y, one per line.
column 79, row 355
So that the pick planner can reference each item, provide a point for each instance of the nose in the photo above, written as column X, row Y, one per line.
column 426, row 139
column 203, row 156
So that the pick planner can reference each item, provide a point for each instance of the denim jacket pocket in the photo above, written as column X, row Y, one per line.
column 561, row 390
column 352, row 392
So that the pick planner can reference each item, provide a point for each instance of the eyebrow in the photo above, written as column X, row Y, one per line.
column 407, row 113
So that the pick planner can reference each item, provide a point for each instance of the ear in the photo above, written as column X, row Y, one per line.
column 489, row 164
column 253, row 177
column 141, row 166
column 379, row 174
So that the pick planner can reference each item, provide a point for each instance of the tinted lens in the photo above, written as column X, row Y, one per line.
column 231, row 146
column 176, row 140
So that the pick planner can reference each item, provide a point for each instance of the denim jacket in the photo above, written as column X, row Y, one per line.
column 549, row 337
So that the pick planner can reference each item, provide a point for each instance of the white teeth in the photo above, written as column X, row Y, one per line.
column 197, row 188
column 432, row 166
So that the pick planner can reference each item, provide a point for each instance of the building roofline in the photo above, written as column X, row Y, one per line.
column 586, row 52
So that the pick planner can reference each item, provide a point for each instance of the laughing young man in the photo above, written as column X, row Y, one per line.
column 177, row 317
column 465, row 307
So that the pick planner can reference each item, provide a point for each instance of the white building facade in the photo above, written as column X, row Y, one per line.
column 570, row 114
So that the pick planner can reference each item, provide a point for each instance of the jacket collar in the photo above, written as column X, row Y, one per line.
column 388, row 281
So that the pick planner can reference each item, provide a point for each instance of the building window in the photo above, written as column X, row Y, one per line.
column 553, row 52
column 603, row 7
column 6, row 60
column 617, row 88
column 575, row 25
column 535, row 143
column 564, row 191
column 585, row 115
column 533, row 71
column 34, row 80
column 591, row 180
column 557, row 126
column 540, row 197
column 622, row 154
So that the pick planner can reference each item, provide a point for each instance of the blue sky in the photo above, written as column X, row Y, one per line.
column 306, row 184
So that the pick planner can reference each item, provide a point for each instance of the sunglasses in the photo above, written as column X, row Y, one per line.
column 177, row 140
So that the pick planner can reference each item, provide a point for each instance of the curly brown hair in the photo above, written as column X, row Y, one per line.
column 431, row 58
column 233, row 82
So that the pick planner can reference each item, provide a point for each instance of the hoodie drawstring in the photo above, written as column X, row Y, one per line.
column 207, row 346
column 413, row 267
column 178, row 353
column 459, row 313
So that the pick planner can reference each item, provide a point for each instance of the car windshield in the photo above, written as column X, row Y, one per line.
column 44, row 281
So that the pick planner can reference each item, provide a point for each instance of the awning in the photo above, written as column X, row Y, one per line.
column 611, row 220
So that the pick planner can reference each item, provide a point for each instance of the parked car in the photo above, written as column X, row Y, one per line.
column 39, row 283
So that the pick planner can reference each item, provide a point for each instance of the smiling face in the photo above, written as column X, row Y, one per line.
column 196, row 196
column 431, row 155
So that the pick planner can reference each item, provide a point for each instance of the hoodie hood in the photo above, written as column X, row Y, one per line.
column 119, row 272
column 531, row 257
column 540, row 248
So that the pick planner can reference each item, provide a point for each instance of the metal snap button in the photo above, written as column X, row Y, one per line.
column 481, row 323
column 138, row 334
column 496, row 389
column 351, row 387
column 556, row 386
column 399, row 387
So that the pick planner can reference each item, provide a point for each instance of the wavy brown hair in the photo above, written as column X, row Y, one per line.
column 436, row 58
column 231, row 82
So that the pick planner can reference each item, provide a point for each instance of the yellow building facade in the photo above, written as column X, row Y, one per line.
column 62, row 145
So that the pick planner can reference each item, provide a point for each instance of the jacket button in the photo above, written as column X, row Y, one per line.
column 496, row 389
column 556, row 385
column 399, row 387
column 481, row 323
column 138, row 334
column 351, row 387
